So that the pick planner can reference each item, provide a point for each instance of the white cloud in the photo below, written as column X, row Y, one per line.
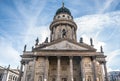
column 8, row 55
column 30, row 9
column 112, row 55
column 41, row 32
column 110, row 69
column 106, row 5
column 92, row 23
column 97, row 43
column 111, row 60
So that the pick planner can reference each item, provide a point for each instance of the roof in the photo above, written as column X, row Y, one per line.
column 63, row 10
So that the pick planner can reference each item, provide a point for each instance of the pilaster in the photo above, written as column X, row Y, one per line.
column 105, row 70
column 71, row 68
column 58, row 68
column 94, row 68
column 81, row 68
column 46, row 69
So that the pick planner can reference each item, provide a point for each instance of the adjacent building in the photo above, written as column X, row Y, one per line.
column 63, row 58
column 114, row 76
column 7, row 74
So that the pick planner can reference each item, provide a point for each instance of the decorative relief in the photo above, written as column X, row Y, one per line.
column 87, row 64
column 68, row 45
column 65, row 45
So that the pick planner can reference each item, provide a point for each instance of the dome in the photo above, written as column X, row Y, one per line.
column 63, row 10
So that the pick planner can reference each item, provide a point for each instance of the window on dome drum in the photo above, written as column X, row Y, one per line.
column 63, row 33
column 63, row 15
column 58, row 16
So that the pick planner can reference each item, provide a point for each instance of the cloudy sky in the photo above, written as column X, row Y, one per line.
column 22, row 21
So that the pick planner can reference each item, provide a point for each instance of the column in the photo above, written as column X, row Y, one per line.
column 81, row 69
column 46, row 69
column 20, row 72
column 94, row 69
column 58, row 69
column 25, row 71
column 33, row 74
column 102, row 71
column 71, row 68
column 105, row 70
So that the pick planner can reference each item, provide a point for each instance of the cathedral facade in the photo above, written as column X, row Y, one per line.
column 63, row 58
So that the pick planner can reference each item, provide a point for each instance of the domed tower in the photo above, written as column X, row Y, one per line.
column 63, row 59
column 63, row 25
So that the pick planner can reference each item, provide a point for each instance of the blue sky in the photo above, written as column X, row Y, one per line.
column 22, row 21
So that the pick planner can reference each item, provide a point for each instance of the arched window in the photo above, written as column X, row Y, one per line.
column 13, row 77
column 58, row 17
column 63, row 33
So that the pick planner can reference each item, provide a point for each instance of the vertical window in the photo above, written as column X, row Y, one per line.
column 53, row 79
column 74, row 79
column 63, row 33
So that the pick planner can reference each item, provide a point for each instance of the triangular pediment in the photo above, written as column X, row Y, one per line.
column 65, row 45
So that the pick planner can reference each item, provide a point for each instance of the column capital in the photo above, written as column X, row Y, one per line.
column 71, row 57
column 104, row 62
column 81, row 57
column 58, row 57
column 93, row 57
column 46, row 57
column 22, row 62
